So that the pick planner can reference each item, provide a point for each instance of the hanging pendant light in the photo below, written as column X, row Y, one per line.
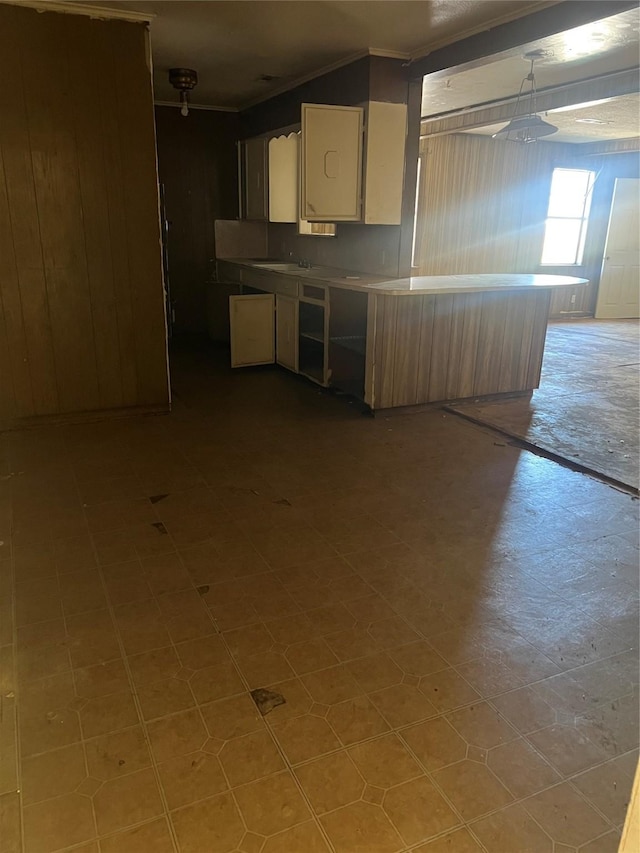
column 528, row 127
column 184, row 80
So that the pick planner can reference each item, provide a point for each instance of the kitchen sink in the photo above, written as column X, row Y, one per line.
column 278, row 267
column 283, row 266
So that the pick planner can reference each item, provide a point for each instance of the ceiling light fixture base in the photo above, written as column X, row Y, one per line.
column 184, row 80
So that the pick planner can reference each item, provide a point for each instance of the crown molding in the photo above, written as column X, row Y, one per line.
column 389, row 54
column 305, row 78
column 196, row 106
column 99, row 12
column 326, row 69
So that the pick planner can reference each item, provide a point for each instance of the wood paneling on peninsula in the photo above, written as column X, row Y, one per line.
column 82, row 325
column 452, row 346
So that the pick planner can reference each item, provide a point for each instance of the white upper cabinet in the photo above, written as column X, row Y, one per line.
column 384, row 162
column 344, row 179
column 347, row 165
column 331, row 167
column 283, row 178
column 254, row 174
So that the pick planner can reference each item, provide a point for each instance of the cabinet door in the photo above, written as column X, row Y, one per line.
column 252, row 338
column 331, row 168
column 287, row 332
column 255, row 178
column 283, row 178
column 384, row 163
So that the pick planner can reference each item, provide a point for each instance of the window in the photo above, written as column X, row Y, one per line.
column 566, row 224
column 415, row 261
column 322, row 229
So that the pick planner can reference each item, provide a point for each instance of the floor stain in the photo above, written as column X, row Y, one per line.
column 267, row 700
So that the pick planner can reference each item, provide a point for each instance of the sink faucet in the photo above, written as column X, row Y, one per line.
column 303, row 263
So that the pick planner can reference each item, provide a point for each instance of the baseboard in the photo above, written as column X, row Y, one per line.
column 8, row 425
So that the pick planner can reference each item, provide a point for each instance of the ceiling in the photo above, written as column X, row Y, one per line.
column 232, row 45
column 603, row 47
column 615, row 119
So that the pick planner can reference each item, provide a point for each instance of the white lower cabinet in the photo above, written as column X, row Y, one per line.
column 252, row 329
column 287, row 332
column 283, row 328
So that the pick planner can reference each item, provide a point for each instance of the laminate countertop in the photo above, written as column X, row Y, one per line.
column 480, row 283
column 416, row 285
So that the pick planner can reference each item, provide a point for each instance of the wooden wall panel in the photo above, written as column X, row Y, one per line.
column 440, row 346
column 15, row 378
column 118, row 226
column 91, row 118
column 538, row 337
column 80, row 265
column 464, row 345
column 385, row 350
column 141, row 205
column 54, row 160
column 407, row 350
column 493, row 316
column 426, row 338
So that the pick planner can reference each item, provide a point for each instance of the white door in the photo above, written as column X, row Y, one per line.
column 252, row 338
column 618, row 293
column 331, row 167
column 287, row 332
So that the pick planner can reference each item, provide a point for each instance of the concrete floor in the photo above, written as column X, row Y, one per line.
column 452, row 623
column 587, row 408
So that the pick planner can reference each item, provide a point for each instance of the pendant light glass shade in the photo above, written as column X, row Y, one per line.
column 525, row 129
column 529, row 127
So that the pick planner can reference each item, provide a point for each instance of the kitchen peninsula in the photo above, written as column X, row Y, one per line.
column 393, row 342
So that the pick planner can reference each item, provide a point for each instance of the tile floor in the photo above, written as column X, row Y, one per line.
column 452, row 624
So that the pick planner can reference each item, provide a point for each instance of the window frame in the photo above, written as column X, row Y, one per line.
column 583, row 219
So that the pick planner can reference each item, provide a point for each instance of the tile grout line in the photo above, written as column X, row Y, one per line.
column 274, row 740
column 133, row 689
column 197, row 705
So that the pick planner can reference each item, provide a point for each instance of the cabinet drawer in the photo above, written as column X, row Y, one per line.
column 317, row 292
column 256, row 278
column 287, row 286
column 271, row 282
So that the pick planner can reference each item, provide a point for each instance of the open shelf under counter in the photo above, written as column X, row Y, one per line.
column 318, row 337
column 353, row 343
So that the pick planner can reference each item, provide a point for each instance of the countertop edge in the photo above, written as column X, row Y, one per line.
column 377, row 285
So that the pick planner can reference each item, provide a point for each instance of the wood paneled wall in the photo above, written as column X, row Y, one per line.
column 483, row 203
column 82, row 325
column 198, row 166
